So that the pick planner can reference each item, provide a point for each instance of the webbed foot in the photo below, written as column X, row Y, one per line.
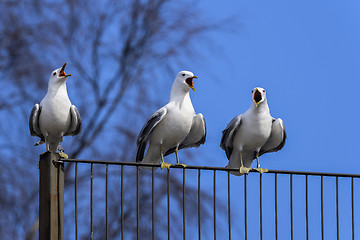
column 165, row 165
column 261, row 170
column 244, row 170
column 63, row 155
column 181, row 164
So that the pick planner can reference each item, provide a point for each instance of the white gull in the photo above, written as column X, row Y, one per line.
column 172, row 127
column 55, row 116
column 252, row 134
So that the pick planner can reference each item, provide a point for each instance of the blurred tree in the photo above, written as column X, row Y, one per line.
column 118, row 52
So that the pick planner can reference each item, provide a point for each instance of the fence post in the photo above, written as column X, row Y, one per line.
column 51, row 197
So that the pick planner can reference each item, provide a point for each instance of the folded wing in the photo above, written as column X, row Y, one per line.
column 145, row 132
column 196, row 136
column 228, row 134
column 277, row 137
column 34, row 122
column 75, row 124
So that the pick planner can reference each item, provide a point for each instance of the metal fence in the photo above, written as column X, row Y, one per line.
column 275, row 205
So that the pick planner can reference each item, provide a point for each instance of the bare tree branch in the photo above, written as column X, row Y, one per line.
column 114, row 48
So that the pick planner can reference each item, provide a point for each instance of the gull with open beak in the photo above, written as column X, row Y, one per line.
column 252, row 134
column 172, row 127
column 55, row 116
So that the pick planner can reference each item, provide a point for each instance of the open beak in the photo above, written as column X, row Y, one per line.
column 189, row 81
column 257, row 97
column 62, row 71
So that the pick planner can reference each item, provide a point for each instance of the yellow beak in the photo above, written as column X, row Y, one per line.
column 62, row 71
column 191, row 84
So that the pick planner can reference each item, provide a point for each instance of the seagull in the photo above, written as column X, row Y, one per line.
column 252, row 134
column 173, row 127
column 55, row 116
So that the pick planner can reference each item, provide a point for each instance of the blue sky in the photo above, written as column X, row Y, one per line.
column 306, row 54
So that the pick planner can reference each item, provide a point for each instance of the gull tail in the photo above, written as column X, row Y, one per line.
column 235, row 162
column 151, row 156
column 39, row 142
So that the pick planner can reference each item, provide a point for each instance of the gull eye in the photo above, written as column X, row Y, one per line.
column 183, row 74
column 252, row 91
column 263, row 90
column 54, row 73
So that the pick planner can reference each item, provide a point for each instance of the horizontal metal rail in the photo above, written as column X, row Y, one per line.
column 208, row 168
column 287, row 194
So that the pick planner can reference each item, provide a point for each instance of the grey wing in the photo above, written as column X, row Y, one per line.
column 196, row 136
column 145, row 132
column 75, row 124
column 34, row 122
column 228, row 134
column 277, row 137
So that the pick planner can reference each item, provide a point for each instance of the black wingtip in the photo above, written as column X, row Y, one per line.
column 140, row 152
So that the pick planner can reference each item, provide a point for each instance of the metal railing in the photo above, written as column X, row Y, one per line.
column 275, row 205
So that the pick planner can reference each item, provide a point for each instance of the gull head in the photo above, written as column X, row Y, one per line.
column 185, row 78
column 59, row 75
column 258, row 95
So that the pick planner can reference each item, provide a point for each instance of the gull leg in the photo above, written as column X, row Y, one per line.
column 259, row 169
column 163, row 164
column 47, row 144
column 177, row 157
column 243, row 169
column 61, row 153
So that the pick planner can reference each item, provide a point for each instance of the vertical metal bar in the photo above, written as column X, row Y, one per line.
column 214, row 183
column 245, row 205
column 168, row 202
column 152, row 204
column 261, row 227
column 352, row 208
column 229, row 212
column 291, row 206
column 322, row 208
column 307, row 207
column 60, row 199
column 137, row 204
column 337, row 208
column 199, row 206
column 76, row 216
column 276, row 208
column 106, row 200
column 91, row 203
column 183, row 203
column 122, row 202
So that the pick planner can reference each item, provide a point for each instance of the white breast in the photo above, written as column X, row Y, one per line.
column 253, row 133
column 173, row 129
column 55, row 115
